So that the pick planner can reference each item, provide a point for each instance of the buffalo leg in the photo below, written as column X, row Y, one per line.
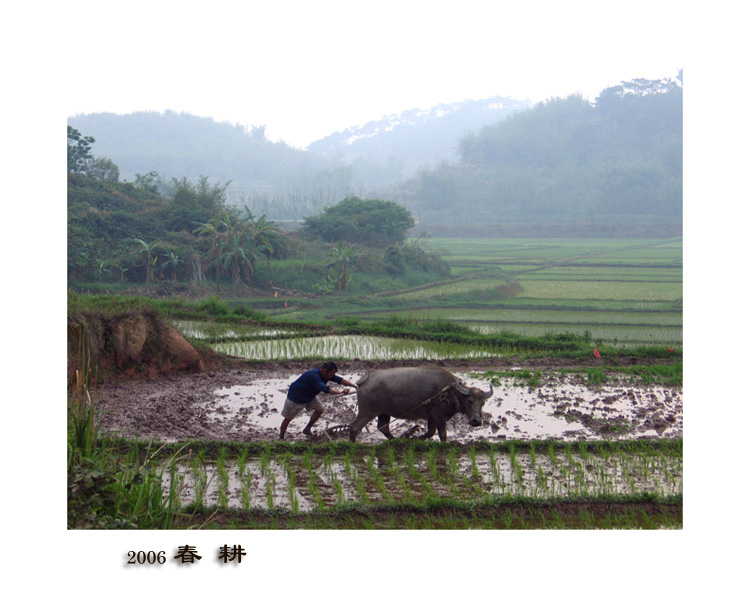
column 441, row 422
column 356, row 426
column 384, row 422
column 431, row 428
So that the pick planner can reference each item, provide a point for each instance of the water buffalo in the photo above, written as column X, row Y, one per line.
column 430, row 393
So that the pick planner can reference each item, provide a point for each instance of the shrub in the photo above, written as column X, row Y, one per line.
column 373, row 222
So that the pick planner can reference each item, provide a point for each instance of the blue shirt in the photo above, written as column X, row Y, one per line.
column 308, row 385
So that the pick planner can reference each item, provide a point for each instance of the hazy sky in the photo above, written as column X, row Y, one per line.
column 307, row 69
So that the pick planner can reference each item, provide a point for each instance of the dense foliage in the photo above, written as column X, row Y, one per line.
column 611, row 166
column 270, row 175
column 283, row 181
column 367, row 221
column 566, row 166
column 182, row 231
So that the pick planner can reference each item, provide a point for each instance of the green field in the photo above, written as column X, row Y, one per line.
column 619, row 292
column 614, row 290
column 325, row 488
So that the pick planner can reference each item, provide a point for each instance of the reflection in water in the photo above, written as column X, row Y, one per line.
column 300, row 483
column 561, row 411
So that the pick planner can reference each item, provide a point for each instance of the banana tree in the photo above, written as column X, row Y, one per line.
column 172, row 263
column 214, row 228
column 150, row 256
column 341, row 261
column 236, row 257
column 261, row 235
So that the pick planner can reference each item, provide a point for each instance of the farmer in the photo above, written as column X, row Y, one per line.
column 303, row 395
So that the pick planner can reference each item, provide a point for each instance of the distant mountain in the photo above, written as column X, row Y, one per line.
column 414, row 138
column 609, row 167
column 279, row 180
column 565, row 167
column 183, row 145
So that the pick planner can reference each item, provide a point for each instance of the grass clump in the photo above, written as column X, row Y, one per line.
column 105, row 490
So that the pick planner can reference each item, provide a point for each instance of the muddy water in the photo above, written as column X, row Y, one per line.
column 563, row 411
column 245, row 406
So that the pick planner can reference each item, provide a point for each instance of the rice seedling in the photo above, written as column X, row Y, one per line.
column 223, row 478
column 269, row 476
column 200, row 479
column 583, row 450
column 245, row 478
column 493, row 464
column 474, row 468
column 242, row 462
column 361, row 488
column 552, row 456
column 313, row 484
column 245, row 491
column 627, row 477
column 390, row 459
column 453, row 474
column 314, row 479
column 517, row 468
column 270, row 489
column 292, row 489
column 408, row 495
column 586, row 518
column 339, row 490
column 541, row 480
column 417, row 476
column 265, row 459
column 408, row 460
column 453, row 462
column 432, row 462
column 568, row 452
column 508, row 518
column 176, row 483
column 350, row 347
column 373, row 468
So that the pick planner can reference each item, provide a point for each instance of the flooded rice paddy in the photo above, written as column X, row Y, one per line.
column 582, row 433
column 564, row 411
column 309, row 482
column 348, row 348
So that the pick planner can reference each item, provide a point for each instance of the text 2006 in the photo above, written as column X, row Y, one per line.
column 146, row 557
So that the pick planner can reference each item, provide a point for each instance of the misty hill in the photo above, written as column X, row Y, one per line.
column 566, row 166
column 180, row 145
column 396, row 146
column 289, row 183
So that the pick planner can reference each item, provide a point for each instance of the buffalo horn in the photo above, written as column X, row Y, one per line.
column 488, row 393
column 462, row 388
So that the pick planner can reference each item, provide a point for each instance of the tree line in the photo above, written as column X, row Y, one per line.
column 182, row 231
column 567, row 163
column 272, row 177
column 566, row 166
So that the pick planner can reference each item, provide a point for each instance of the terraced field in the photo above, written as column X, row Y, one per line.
column 616, row 291
column 413, row 473
column 553, row 452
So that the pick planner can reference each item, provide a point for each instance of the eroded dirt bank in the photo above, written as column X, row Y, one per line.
column 130, row 345
column 242, row 402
